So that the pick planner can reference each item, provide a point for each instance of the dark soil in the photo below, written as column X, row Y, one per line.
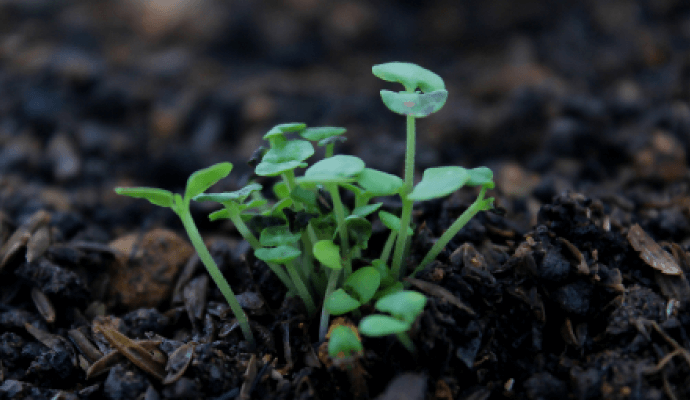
column 574, row 288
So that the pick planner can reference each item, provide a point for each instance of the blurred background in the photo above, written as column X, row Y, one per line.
column 549, row 94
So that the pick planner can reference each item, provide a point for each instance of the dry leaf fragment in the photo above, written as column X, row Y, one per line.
column 144, row 358
column 651, row 252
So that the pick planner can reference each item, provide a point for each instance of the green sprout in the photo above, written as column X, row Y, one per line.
column 344, row 343
column 358, row 289
column 197, row 183
column 404, row 306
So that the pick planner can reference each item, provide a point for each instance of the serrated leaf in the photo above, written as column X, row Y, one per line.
column 328, row 254
column 405, row 305
column 158, row 197
column 439, row 182
column 364, row 282
column 379, row 183
column 417, row 105
column 278, row 255
column 339, row 303
column 410, row 75
column 203, row 179
column 381, row 325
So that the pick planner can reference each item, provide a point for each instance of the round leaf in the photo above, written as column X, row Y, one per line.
column 339, row 303
column 366, row 210
column 412, row 76
column 405, row 305
column 414, row 104
column 328, row 254
column 273, row 169
column 281, row 129
column 381, row 325
column 364, row 282
column 320, row 133
column 339, row 168
column 378, row 183
column 279, row 255
column 158, row 197
column 203, row 179
column 439, row 182
column 480, row 176
column 278, row 236
column 344, row 343
column 392, row 222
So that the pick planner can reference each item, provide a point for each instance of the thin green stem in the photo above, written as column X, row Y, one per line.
column 215, row 273
column 342, row 229
column 329, row 150
column 448, row 235
column 398, row 256
column 323, row 324
column 301, row 287
column 406, row 341
column 386, row 253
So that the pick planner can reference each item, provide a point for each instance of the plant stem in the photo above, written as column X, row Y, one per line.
column 386, row 253
column 342, row 229
column 301, row 287
column 323, row 325
column 406, row 216
column 215, row 273
column 247, row 234
column 448, row 235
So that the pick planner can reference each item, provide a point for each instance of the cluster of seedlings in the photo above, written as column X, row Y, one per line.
column 311, row 248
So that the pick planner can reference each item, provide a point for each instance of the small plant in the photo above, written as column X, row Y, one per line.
column 197, row 183
column 309, row 237
column 404, row 307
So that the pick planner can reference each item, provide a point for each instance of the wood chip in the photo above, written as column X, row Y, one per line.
column 651, row 252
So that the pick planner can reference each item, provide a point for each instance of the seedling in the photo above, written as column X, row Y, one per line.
column 197, row 183
column 404, row 306
column 358, row 289
column 344, row 343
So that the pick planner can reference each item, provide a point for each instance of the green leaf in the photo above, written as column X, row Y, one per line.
column 392, row 222
column 366, row 210
column 381, row 325
column 339, row 168
column 277, row 209
column 364, row 282
column 280, row 189
column 281, row 129
column 278, row 236
column 278, row 255
column 304, row 196
column 359, row 230
column 203, row 179
column 273, row 169
column 417, row 105
column 344, row 343
column 158, row 197
column 328, row 254
column 405, row 305
column 378, row 183
column 320, row 133
column 480, row 176
column 331, row 140
column 237, row 196
column 439, row 182
column 412, row 76
column 390, row 287
column 220, row 214
column 339, row 303
column 258, row 203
